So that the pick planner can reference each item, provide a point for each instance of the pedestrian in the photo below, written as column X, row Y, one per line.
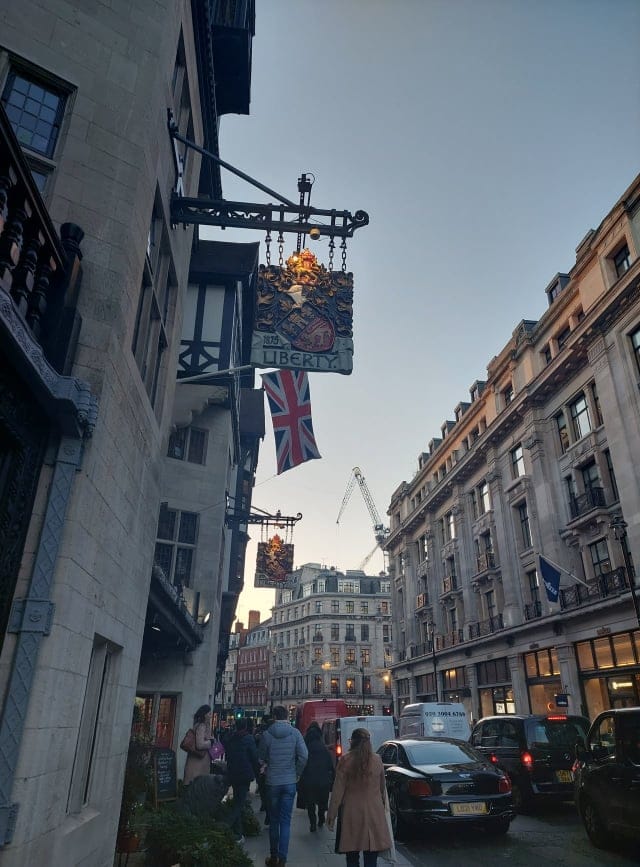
column 357, row 801
column 242, row 768
column 317, row 777
column 283, row 750
column 262, row 780
column 198, row 762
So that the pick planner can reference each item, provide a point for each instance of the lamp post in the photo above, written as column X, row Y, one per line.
column 432, row 633
column 362, row 676
column 619, row 527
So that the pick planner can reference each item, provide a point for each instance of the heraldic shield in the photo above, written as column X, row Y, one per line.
column 304, row 317
column 274, row 561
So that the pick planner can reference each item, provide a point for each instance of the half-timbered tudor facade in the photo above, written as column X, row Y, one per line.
column 119, row 572
column 541, row 460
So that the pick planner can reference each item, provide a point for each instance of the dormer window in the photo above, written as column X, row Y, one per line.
column 507, row 394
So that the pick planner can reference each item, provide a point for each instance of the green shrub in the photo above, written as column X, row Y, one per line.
column 192, row 842
column 250, row 822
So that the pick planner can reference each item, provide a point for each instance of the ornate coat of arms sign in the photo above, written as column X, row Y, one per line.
column 304, row 317
column 274, row 562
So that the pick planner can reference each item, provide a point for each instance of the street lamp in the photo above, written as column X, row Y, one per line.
column 432, row 634
column 619, row 527
column 362, row 675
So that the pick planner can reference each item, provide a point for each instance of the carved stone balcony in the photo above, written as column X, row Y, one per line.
column 318, row 637
column 422, row 601
column 449, row 639
column 422, row 569
column 608, row 585
column 486, row 627
column 449, row 585
column 533, row 610
column 585, row 504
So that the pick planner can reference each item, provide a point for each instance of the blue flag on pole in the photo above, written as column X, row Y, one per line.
column 551, row 578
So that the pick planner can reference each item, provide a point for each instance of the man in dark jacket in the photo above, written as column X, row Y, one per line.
column 242, row 768
column 285, row 754
column 317, row 778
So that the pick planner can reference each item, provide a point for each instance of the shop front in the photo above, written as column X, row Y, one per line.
column 544, row 683
column 495, row 692
column 609, row 668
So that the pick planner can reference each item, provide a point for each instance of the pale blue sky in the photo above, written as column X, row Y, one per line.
column 484, row 138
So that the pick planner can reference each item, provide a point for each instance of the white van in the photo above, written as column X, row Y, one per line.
column 336, row 733
column 432, row 719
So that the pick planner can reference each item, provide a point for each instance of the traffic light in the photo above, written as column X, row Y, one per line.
column 239, row 713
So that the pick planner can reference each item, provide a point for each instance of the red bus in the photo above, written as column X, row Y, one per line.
column 318, row 711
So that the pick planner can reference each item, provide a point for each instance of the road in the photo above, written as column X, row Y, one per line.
column 553, row 835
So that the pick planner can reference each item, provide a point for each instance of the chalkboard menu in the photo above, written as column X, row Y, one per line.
column 165, row 782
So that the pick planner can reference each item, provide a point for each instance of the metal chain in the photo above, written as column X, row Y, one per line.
column 280, row 250
column 332, row 245
column 343, row 247
column 267, row 242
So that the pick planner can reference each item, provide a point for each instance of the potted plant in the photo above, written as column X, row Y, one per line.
column 137, row 779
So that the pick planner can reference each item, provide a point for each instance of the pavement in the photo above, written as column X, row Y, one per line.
column 306, row 849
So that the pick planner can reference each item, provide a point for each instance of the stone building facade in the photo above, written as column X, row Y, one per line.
column 541, row 460
column 120, row 572
column 331, row 637
column 252, row 673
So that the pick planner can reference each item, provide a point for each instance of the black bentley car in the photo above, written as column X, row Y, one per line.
column 437, row 781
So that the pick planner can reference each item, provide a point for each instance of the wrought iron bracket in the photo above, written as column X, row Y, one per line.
column 278, row 520
column 284, row 217
column 31, row 615
column 8, row 816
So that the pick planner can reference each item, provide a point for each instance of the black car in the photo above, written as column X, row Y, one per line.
column 443, row 781
column 607, row 772
column 536, row 750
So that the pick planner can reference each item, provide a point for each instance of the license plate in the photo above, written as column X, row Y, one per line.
column 564, row 776
column 474, row 808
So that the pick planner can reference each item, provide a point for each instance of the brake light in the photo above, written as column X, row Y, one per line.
column 338, row 749
column 527, row 760
column 558, row 717
column 493, row 758
column 419, row 788
column 504, row 785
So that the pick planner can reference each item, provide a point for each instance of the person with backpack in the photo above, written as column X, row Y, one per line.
column 317, row 778
column 242, row 768
column 283, row 750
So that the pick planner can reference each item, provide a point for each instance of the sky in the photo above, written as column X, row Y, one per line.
column 484, row 138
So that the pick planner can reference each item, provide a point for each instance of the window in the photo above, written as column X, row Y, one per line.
column 348, row 587
column 177, row 537
column 335, row 656
column 364, row 608
column 350, row 686
column 384, row 607
column 385, row 586
column 546, row 354
column 350, row 634
column 595, row 403
column 563, row 432
column 474, row 503
column 599, row 552
column 349, row 607
column 525, row 529
column 92, row 722
column 35, row 109
column 350, row 656
column 621, row 260
column 635, row 345
column 507, row 394
column 612, row 476
column 153, row 317
column 386, row 632
column 335, row 632
column 563, row 336
column 590, row 478
column 319, row 606
column 364, row 632
column 188, row 444
column 517, row 462
column 484, row 499
column 335, row 606
column 534, row 585
column 317, row 684
column 365, row 656
column 580, row 420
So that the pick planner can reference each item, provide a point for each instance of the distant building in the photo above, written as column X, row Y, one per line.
column 541, row 460
column 252, row 671
column 331, row 637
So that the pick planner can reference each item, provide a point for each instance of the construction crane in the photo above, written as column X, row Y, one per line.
column 380, row 532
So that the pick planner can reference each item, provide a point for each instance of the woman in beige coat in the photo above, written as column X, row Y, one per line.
column 358, row 793
column 198, row 764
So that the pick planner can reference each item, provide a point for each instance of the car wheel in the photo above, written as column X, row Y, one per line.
column 594, row 826
column 398, row 825
column 498, row 826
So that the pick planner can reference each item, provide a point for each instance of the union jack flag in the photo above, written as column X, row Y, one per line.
column 290, row 405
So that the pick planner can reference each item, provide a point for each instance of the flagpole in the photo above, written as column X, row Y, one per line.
column 203, row 377
column 562, row 569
